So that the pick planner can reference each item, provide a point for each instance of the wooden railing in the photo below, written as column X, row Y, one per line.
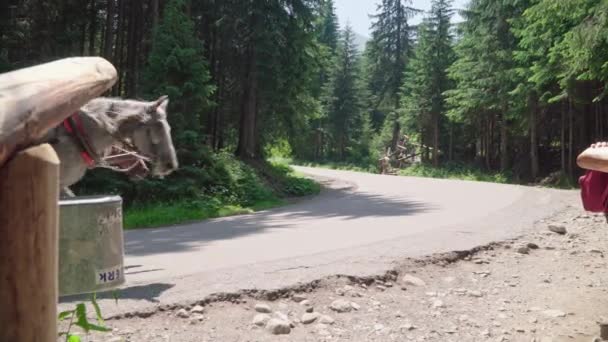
column 32, row 101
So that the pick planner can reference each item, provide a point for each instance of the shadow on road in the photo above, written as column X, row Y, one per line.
column 341, row 204
column 148, row 293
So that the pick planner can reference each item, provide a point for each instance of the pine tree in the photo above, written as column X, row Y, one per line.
column 426, row 78
column 387, row 55
column 176, row 67
column 328, row 27
column 343, row 95
column 484, row 73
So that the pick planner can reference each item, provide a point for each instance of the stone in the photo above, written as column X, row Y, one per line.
column 438, row 304
column 278, row 327
column 381, row 288
column 559, row 229
column 298, row 298
column 310, row 309
column 306, row 303
column 532, row 245
column 282, row 316
column 262, row 308
column 197, row 309
column 475, row 293
column 355, row 306
column 554, row 313
column 182, row 313
column 523, row 250
column 196, row 319
column 261, row 319
column 116, row 339
column 325, row 319
column 409, row 279
column 407, row 327
column 308, row 318
column 340, row 305
column 378, row 327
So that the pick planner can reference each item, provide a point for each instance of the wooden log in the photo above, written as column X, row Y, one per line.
column 29, row 193
column 33, row 100
column 594, row 159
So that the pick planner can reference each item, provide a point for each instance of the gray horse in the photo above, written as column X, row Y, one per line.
column 106, row 122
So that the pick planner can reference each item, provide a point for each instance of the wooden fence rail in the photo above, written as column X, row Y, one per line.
column 32, row 101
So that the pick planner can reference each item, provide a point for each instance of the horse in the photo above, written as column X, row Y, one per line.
column 90, row 137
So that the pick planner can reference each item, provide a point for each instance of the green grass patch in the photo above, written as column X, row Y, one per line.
column 456, row 171
column 339, row 166
column 166, row 214
column 253, row 188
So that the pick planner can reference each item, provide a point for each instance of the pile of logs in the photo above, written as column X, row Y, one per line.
column 406, row 154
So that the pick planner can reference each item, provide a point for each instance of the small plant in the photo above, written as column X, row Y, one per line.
column 78, row 317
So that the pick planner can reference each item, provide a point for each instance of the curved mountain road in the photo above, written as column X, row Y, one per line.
column 361, row 224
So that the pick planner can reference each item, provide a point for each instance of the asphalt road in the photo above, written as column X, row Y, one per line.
column 361, row 224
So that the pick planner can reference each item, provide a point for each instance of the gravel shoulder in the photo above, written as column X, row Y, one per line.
column 543, row 286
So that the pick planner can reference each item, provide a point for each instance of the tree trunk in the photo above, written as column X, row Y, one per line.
column 451, row 147
column 155, row 15
column 396, row 133
column 247, row 136
column 533, row 139
column 119, row 51
column 504, row 151
column 108, row 44
column 563, row 137
column 570, row 136
column 488, row 144
column 92, row 28
column 435, row 139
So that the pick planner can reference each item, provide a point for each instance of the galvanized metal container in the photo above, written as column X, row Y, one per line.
column 90, row 244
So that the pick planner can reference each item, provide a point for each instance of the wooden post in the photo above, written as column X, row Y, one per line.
column 29, row 190
column 36, row 99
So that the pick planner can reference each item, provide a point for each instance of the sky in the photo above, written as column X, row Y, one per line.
column 356, row 12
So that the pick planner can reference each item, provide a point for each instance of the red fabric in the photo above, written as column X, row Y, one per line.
column 594, row 191
column 84, row 154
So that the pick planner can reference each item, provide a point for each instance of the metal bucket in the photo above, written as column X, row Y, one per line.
column 90, row 244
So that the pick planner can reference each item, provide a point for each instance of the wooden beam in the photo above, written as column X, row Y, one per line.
column 29, row 193
column 36, row 99
column 594, row 158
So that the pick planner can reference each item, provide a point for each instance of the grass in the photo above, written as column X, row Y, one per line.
column 335, row 165
column 456, row 171
column 263, row 187
column 163, row 214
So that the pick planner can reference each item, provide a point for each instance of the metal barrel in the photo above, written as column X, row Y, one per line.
column 91, row 246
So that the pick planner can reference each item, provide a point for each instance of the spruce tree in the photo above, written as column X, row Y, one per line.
column 342, row 100
column 177, row 67
column 387, row 55
column 426, row 78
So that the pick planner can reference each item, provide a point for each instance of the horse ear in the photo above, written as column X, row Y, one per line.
column 161, row 103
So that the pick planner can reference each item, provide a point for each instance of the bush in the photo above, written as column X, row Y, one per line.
column 216, row 185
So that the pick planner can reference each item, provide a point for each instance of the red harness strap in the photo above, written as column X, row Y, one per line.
column 80, row 130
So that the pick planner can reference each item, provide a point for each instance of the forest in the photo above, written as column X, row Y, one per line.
column 518, row 87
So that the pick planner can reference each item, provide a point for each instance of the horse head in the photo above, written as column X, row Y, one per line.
column 152, row 138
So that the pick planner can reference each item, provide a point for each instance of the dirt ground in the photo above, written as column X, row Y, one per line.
column 545, row 286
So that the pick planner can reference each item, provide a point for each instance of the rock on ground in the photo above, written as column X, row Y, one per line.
column 261, row 319
column 278, row 327
column 559, row 229
column 409, row 279
column 308, row 318
column 341, row 305
column 262, row 308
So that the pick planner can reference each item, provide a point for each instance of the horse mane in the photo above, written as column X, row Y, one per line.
column 114, row 113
